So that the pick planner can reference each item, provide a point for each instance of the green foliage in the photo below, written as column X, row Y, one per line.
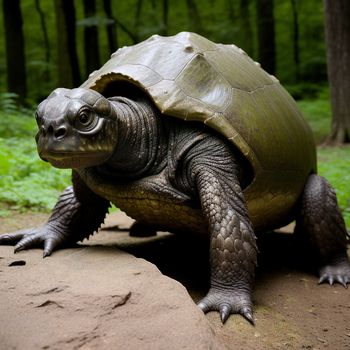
column 25, row 180
column 306, row 91
column 334, row 165
column 8, row 102
column 318, row 114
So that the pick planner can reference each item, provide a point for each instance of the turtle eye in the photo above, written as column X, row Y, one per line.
column 86, row 120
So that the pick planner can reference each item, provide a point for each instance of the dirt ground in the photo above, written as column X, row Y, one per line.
column 291, row 310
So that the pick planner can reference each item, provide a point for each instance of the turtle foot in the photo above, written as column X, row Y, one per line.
column 338, row 271
column 32, row 238
column 226, row 302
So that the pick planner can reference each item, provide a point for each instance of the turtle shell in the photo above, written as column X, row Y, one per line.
column 192, row 78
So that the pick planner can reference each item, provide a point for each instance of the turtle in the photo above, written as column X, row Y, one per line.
column 193, row 137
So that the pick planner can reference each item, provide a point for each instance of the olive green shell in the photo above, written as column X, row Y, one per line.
column 192, row 78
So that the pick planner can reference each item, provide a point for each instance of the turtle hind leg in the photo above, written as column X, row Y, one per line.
column 321, row 223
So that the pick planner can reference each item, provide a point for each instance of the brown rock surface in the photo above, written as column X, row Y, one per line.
column 95, row 297
column 80, row 298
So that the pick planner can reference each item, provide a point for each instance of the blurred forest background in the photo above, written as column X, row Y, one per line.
column 49, row 43
column 76, row 37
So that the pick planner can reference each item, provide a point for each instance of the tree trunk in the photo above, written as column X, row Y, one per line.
column 127, row 31
column 138, row 19
column 91, row 48
column 246, row 29
column 68, row 66
column 266, row 35
column 15, row 56
column 193, row 16
column 46, row 38
column 165, row 14
column 296, row 39
column 230, row 11
column 337, row 27
column 111, row 27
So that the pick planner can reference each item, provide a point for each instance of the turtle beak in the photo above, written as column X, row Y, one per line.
column 51, row 137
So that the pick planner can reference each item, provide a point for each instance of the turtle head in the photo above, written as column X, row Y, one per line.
column 75, row 128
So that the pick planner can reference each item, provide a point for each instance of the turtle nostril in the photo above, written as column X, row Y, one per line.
column 50, row 130
column 43, row 130
column 60, row 132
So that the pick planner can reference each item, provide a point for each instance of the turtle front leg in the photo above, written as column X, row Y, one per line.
column 233, row 250
column 76, row 215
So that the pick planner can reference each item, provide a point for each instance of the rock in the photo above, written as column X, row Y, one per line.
column 98, row 297
column 117, row 221
column 95, row 297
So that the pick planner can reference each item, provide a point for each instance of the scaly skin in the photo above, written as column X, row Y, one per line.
column 142, row 157
column 321, row 224
column 233, row 249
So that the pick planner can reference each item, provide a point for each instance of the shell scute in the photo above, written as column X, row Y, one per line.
column 209, row 88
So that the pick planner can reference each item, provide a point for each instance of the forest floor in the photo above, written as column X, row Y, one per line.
column 291, row 310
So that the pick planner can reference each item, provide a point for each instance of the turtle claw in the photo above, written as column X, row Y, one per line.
column 336, row 272
column 204, row 307
column 228, row 302
column 248, row 316
column 343, row 280
column 29, row 240
column 46, row 253
column 32, row 238
column 322, row 279
column 13, row 238
column 49, row 246
column 225, row 311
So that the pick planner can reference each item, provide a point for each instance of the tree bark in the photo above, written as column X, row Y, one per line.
column 111, row 28
column 15, row 55
column 165, row 14
column 193, row 16
column 91, row 47
column 266, row 35
column 46, row 38
column 127, row 31
column 138, row 19
column 337, row 27
column 296, row 39
column 230, row 11
column 246, row 29
column 68, row 66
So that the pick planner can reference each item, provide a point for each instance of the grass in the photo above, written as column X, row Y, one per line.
column 318, row 114
column 334, row 165
column 27, row 182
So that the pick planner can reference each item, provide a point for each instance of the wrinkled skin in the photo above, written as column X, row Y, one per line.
column 168, row 175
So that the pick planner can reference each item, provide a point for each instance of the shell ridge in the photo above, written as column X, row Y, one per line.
column 184, row 67
column 139, row 64
column 217, row 70
column 244, row 68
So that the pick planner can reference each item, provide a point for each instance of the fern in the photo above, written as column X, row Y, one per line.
column 8, row 102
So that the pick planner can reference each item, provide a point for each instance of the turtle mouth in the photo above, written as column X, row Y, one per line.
column 66, row 154
column 71, row 160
